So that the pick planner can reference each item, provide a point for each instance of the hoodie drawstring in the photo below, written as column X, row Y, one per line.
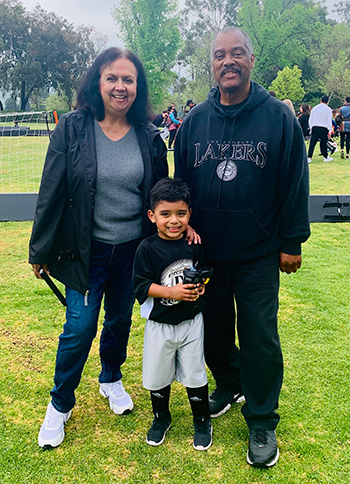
column 227, row 160
column 214, row 168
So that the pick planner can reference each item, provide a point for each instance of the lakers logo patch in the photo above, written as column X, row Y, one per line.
column 227, row 170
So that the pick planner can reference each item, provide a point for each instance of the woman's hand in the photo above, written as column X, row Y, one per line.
column 36, row 268
column 192, row 236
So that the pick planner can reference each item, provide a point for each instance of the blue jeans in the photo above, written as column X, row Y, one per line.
column 111, row 276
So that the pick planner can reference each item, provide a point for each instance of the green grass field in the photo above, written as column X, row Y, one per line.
column 101, row 448
column 22, row 159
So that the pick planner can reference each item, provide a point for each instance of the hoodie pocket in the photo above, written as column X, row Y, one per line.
column 230, row 235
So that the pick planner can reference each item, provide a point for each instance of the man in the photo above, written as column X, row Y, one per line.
column 174, row 110
column 345, row 128
column 320, row 123
column 189, row 105
column 250, row 191
column 160, row 119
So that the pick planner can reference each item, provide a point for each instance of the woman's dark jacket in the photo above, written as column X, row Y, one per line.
column 304, row 123
column 63, row 220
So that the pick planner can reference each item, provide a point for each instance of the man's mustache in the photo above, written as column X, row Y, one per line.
column 230, row 69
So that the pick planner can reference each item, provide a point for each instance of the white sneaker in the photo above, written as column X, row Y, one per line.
column 309, row 160
column 119, row 400
column 52, row 430
column 329, row 158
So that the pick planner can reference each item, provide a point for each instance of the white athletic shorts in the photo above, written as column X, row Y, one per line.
column 174, row 353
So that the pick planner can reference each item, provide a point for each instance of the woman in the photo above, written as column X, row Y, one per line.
column 91, row 214
column 289, row 104
column 172, row 125
column 303, row 119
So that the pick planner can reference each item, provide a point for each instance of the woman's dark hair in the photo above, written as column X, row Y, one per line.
column 305, row 108
column 169, row 190
column 89, row 97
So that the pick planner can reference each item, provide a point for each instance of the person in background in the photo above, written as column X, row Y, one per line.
column 250, row 190
column 289, row 104
column 91, row 215
column 303, row 119
column 160, row 119
column 189, row 105
column 172, row 125
column 320, row 123
column 345, row 128
column 174, row 110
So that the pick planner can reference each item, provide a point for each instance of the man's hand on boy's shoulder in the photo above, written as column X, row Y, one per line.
column 192, row 236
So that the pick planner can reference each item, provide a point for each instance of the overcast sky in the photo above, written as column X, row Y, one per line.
column 96, row 13
column 83, row 12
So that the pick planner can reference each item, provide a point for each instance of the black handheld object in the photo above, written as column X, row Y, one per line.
column 197, row 276
column 53, row 286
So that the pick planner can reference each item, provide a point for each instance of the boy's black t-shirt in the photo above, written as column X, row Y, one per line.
column 162, row 262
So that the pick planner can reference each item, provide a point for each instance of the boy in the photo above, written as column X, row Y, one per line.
column 173, row 342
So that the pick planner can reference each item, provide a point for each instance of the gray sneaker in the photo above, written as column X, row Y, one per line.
column 119, row 400
column 262, row 450
column 52, row 430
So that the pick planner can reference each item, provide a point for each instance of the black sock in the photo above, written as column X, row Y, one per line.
column 160, row 401
column 199, row 401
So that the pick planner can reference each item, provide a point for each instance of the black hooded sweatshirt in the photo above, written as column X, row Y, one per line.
column 248, row 173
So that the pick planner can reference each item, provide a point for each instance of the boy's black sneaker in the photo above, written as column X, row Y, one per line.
column 262, row 450
column 220, row 401
column 159, row 427
column 203, row 431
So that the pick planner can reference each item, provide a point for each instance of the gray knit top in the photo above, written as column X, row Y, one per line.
column 118, row 199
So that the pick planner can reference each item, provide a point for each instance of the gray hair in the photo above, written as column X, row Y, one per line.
column 248, row 42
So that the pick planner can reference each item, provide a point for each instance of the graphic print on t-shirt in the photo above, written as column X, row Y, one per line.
column 172, row 275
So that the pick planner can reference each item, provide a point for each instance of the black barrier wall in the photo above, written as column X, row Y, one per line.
column 323, row 208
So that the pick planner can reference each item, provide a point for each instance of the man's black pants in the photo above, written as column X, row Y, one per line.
column 258, row 366
column 318, row 133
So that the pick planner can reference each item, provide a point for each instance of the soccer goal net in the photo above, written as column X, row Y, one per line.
column 24, row 138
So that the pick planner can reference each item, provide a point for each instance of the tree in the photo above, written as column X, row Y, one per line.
column 287, row 84
column 41, row 50
column 343, row 10
column 201, row 21
column 15, row 34
column 334, row 38
column 150, row 29
column 337, row 81
column 282, row 32
column 57, row 103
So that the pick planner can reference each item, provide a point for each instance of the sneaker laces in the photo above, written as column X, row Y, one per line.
column 217, row 394
column 201, row 424
column 260, row 437
column 53, row 417
column 159, row 421
column 116, row 389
